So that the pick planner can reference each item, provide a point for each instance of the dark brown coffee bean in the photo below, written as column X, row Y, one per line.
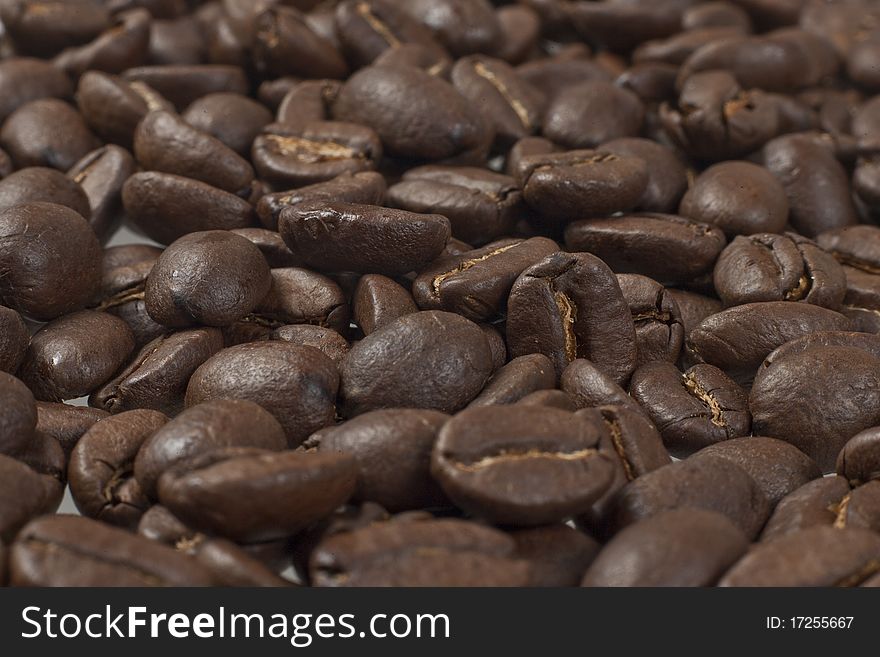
column 230, row 565
column 430, row 359
column 575, row 184
column 693, row 307
column 101, row 175
column 679, row 47
column 202, row 428
column 22, row 496
column 550, row 398
column 14, row 339
column 416, row 115
column 296, row 384
column 659, row 330
column 557, row 554
column 300, row 296
column 75, row 354
column 232, row 118
column 680, row 547
column 392, row 449
column 741, row 198
column 235, row 271
column 428, row 57
column 482, row 454
column 123, row 44
column 71, row 551
column 766, row 267
column 651, row 82
column 23, row 79
column 590, row 113
column 101, row 469
column 184, row 84
column 520, row 29
column 462, row 26
column 818, row 400
column 667, row 180
column 550, row 312
column 668, row 248
column 325, row 340
column 256, row 495
column 620, row 27
column 709, row 483
column 814, row 503
column 66, row 423
column 442, row 552
column 19, row 418
column 333, row 236
column 41, row 184
column 516, row 380
column 158, row 375
column 476, row 283
column 378, row 301
column 481, row 205
column 55, row 274
column 819, row 556
column 285, row 45
column 589, row 386
column 367, row 187
column 859, row 460
column 307, row 102
column 271, row 246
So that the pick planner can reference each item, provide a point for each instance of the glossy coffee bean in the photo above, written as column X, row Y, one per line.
column 232, row 118
column 591, row 113
column 296, row 384
column 482, row 454
column 326, row 340
column 101, row 468
column 815, row 503
column 431, row 359
column 101, row 175
column 657, row 319
column 66, row 423
column 516, row 380
column 378, row 301
column 667, row 179
column 301, row 296
column 14, row 339
column 859, row 460
column 44, row 185
column 549, row 312
column 589, row 386
column 271, row 246
column 285, row 45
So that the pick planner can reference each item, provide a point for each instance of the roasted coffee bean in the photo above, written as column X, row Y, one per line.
column 476, row 284
column 367, row 187
column 431, row 359
column 766, row 267
column 736, row 340
column 463, row 26
column 668, row 248
column 230, row 565
column 552, row 309
column 859, row 460
column 574, row 184
column 14, row 339
column 41, row 184
column 184, row 84
column 651, row 82
column 818, row 556
column 620, row 27
column 165, row 142
column 679, row 47
column 692, row 410
column 46, row 133
column 516, row 380
column 202, row 428
column 167, row 207
column 550, row 398
column 158, row 375
column 392, row 449
column 101, row 175
column 482, row 455
column 232, row 118
column 325, row 340
column 680, row 547
column 378, row 301
column 693, row 307
column 257, row 495
column 816, row 184
column 709, row 483
column 19, row 418
column 510, row 104
column 271, row 246
column 49, row 259
column 75, row 354
column 123, row 44
column 776, row 466
column 66, row 423
column 860, row 508
column 740, row 198
column 23, row 79
column 22, row 496
column 589, row 386
column 285, row 45
column 296, row 384
column 316, row 152
column 44, row 27
column 334, row 236
column 667, row 179
column 70, row 551
column 307, row 102
column 814, row 503
column 428, row 57
column 817, row 400
column 659, row 330
column 481, row 205
column 557, row 554
column 416, row 115
column 520, row 30
column 442, row 552
column 237, row 274
column 101, row 467
column 590, row 113
column 300, row 296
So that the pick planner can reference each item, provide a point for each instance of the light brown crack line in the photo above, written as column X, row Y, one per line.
column 467, row 264
column 617, row 441
column 840, row 510
column 312, row 151
column 506, row 457
column 519, row 109
column 698, row 391
column 131, row 294
column 800, row 290
column 373, row 21
column 866, row 571
column 148, row 95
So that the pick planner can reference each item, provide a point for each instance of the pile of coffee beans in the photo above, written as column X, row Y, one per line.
column 440, row 292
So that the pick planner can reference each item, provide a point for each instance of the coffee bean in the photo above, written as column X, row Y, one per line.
column 22, row 496
column 123, row 43
column 431, row 359
column 680, row 547
column 183, row 84
column 232, row 118
column 101, row 174
column 249, row 495
column 667, row 179
column 591, row 113
column 70, row 551
column 589, row 386
column 378, row 301
column 659, row 330
column 428, row 57
column 66, row 423
column 859, row 460
column 285, row 45
column 300, row 296
column 14, row 339
column 41, row 184
column 550, row 398
column 814, row 503
column 296, row 384
column 463, row 26
column 557, row 554
column 517, row 380
column 43, row 28
column 550, row 312
column 306, row 102
column 207, row 426
column 325, row 340
column 230, row 565
column 23, row 79
column 19, row 418
column 482, row 454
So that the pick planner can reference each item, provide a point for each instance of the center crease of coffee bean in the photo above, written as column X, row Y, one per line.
column 310, row 151
column 617, row 441
column 519, row 109
column 504, row 457
column 381, row 28
column 465, row 265
column 698, row 391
